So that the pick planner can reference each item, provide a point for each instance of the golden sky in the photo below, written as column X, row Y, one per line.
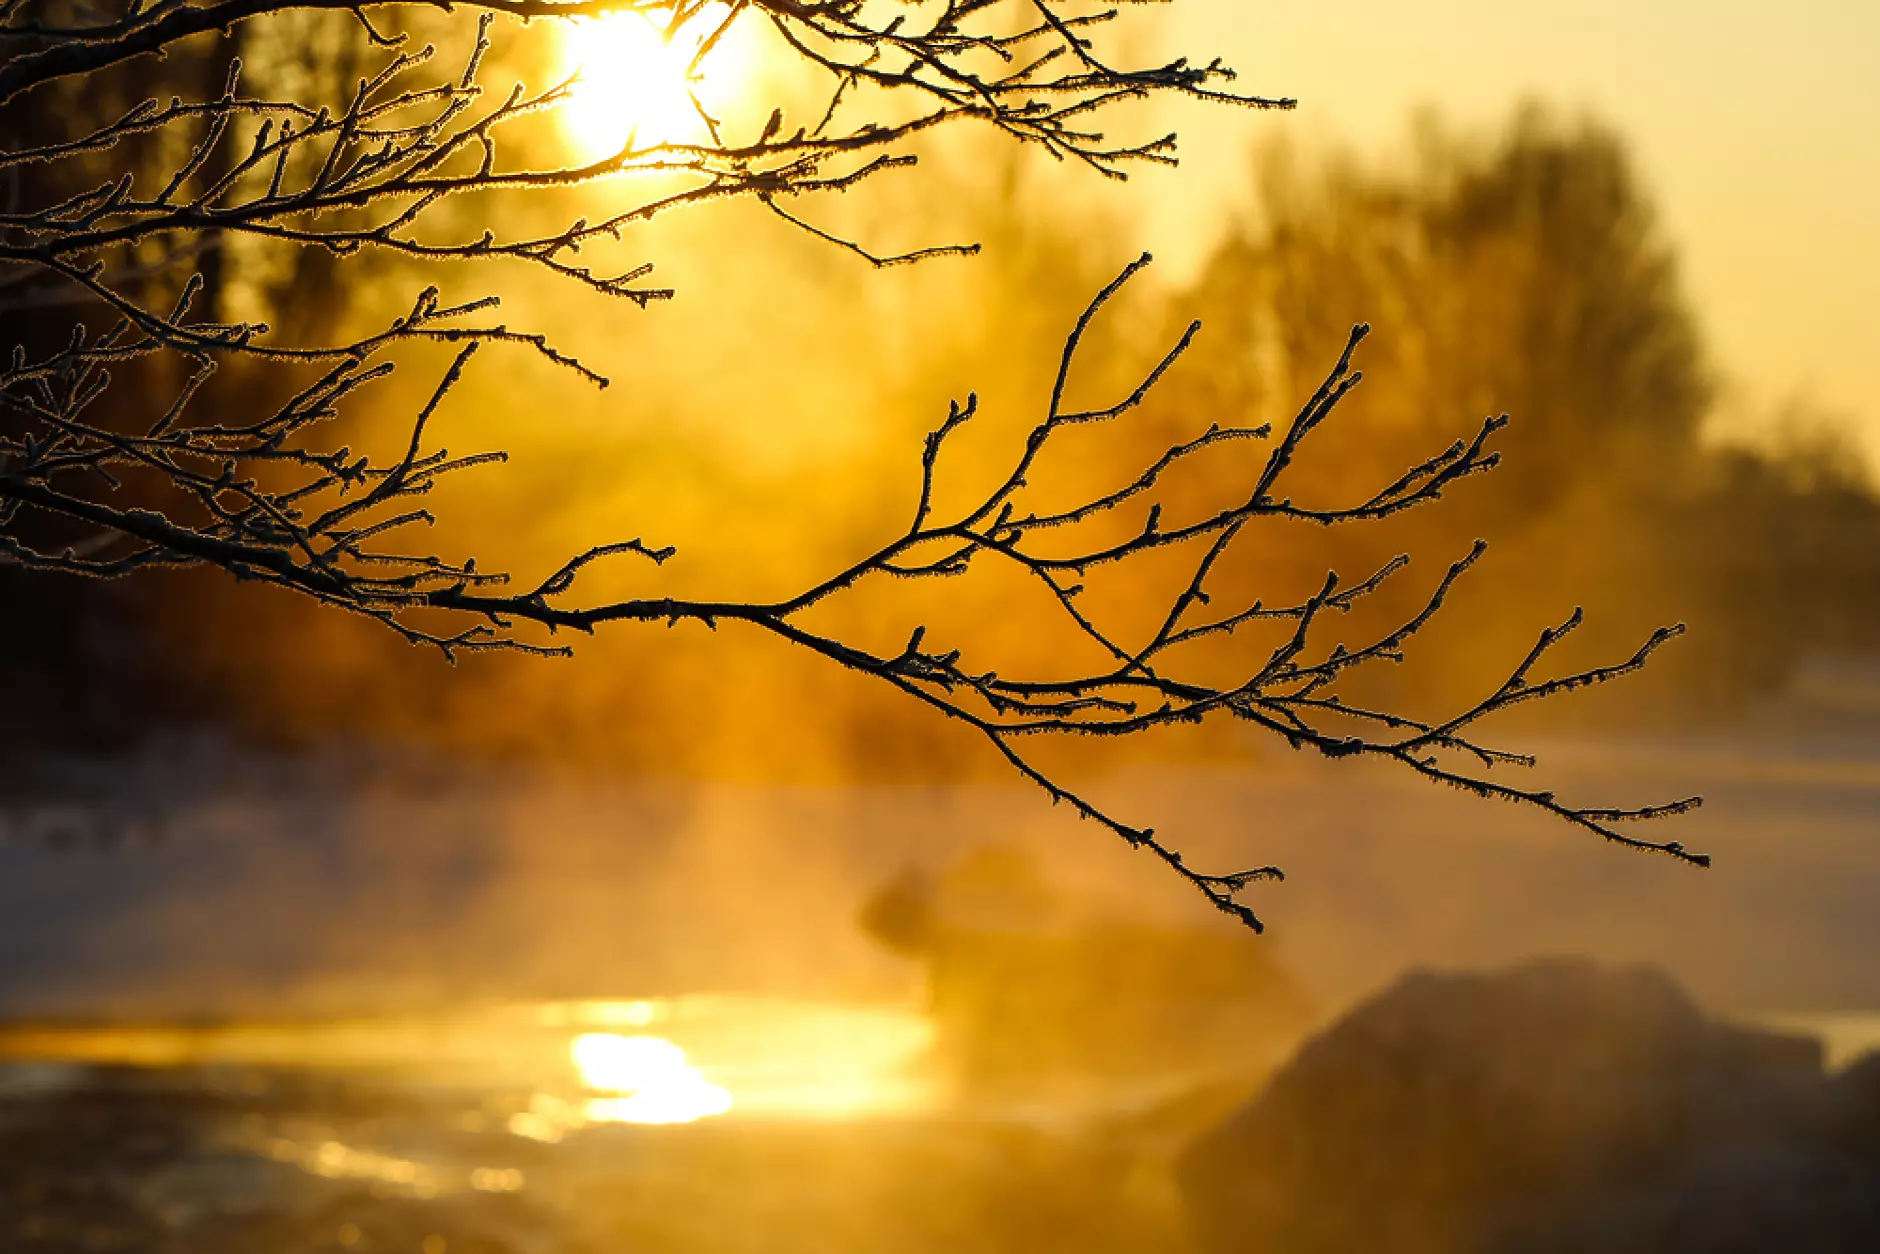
column 1756, row 126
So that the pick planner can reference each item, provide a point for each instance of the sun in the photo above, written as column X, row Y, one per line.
column 636, row 82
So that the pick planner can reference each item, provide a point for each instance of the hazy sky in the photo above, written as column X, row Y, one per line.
column 1755, row 124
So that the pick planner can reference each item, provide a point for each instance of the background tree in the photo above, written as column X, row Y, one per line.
column 222, row 452
column 1527, row 269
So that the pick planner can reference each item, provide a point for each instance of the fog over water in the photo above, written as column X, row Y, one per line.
column 308, row 889
column 704, row 940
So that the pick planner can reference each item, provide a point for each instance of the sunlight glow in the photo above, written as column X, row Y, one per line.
column 636, row 82
column 649, row 1079
column 598, row 1014
column 629, row 1059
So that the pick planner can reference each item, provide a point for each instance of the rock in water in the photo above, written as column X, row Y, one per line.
column 1559, row 1106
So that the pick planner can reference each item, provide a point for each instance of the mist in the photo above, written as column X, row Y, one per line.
column 291, row 883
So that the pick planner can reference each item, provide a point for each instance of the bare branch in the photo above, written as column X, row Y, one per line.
column 257, row 495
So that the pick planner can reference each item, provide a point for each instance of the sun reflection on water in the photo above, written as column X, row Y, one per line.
column 647, row 1079
column 546, row 1069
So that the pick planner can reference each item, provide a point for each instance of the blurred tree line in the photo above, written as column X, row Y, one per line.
column 1524, row 272
column 1527, row 273
column 75, row 659
column 90, row 664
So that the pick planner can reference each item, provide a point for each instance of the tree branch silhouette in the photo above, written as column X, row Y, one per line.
column 259, row 497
